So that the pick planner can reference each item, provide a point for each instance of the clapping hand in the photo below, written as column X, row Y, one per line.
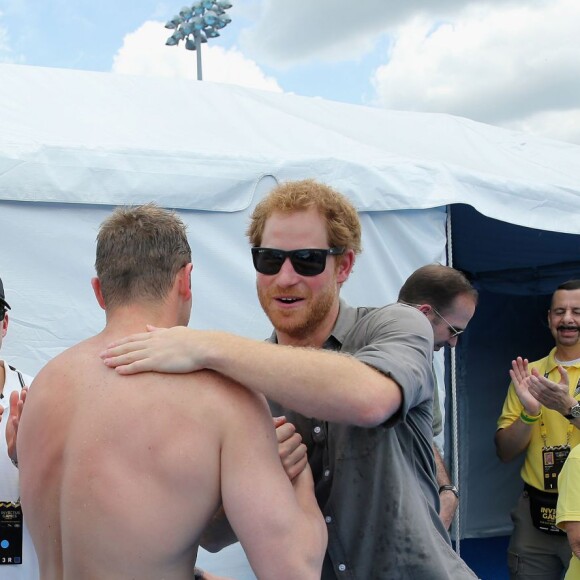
column 521, row 378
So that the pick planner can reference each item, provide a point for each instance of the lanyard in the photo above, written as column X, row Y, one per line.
column 543, row 431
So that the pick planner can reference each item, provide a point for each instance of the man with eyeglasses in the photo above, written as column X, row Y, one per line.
column 448, row 300
column 17, row 556
column 541, row 417
column 354, row 386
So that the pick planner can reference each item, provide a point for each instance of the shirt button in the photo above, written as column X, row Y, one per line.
column 317, row 429
column 341, row 567
column 327, row 519
column 326, row 472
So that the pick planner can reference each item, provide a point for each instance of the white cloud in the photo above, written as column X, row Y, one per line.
column 562, row 125
column 4, row 46
column 144, row 53
column 289, row 32
column 515, row 66
column 5, row 51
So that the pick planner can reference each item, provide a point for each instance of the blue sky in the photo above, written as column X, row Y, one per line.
column 512, row 63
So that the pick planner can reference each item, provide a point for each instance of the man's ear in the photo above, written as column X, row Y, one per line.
column 184, row 281
column 345, row 266
column 426, row 309
column 96, row 284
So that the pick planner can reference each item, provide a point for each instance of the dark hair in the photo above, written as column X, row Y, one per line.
column 343, row 227
column 436, row 285
column 569, row 285
column 140, row 249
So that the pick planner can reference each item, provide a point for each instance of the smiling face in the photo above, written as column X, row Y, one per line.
column 564, row 322
column 302, row 309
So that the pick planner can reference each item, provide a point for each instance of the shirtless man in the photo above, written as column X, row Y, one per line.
column 120, row 478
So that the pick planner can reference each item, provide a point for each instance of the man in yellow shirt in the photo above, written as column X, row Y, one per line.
column 542, row 418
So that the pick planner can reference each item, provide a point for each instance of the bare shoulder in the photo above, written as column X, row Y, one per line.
column 68, row 362
column 231, row 396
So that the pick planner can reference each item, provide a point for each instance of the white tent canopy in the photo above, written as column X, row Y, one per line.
column 74, row 144
column 83, row 137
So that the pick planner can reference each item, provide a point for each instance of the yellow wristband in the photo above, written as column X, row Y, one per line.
column 529, row 419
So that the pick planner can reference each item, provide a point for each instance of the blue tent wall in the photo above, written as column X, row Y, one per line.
column 510, row 259
column 515, row 269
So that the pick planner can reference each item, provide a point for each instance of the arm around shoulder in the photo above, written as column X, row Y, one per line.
column 310, row 381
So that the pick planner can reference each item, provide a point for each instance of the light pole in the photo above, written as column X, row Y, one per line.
column 197, row 23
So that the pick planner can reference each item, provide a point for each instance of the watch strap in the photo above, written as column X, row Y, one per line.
column 571, row 415
column 450, row 488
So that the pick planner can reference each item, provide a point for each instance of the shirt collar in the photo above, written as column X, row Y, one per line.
column 344, row 322
column 552, row 364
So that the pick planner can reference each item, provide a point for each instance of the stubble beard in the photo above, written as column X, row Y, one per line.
column 297, row 325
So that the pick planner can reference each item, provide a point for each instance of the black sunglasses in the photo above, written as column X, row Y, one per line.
column 307, row 262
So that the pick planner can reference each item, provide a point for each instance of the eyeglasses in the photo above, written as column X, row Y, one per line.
column 307, row 262
column 453, row 332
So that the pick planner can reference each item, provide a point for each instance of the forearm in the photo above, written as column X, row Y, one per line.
column 573, row 532
column 314, row 536
column 512, row 440
column 447, row 499
column 440, row 469
column 575, row 547
column 303, row 485
column 316, row 383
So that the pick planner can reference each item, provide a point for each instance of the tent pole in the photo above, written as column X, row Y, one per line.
column 454, row 409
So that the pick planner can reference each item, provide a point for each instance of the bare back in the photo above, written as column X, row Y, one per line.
column 121, row 474
column 120, row 471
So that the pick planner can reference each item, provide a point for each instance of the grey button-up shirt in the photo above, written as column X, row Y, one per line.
column 376, row 487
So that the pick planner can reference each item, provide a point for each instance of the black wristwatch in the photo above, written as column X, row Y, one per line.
column 450, row 488
column 574, row 412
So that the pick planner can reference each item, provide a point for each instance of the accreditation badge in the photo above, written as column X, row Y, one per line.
column 553, row 459
column 11, row 525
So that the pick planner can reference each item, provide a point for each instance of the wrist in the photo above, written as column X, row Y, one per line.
column 217, row 346
column 573, row 411
column 529, row 419
column 449, row 488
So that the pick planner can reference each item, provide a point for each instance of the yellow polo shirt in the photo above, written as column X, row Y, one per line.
column 568, row 509
column 557, row 429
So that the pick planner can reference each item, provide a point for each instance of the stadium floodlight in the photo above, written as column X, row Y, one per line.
column 198, row 22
